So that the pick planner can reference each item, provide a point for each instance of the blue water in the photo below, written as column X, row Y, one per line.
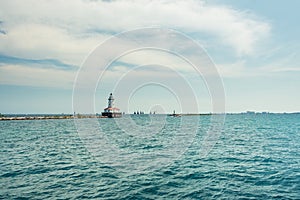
column 254, row 157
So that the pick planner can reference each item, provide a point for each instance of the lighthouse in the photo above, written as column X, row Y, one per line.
column 111, row 111
column 110, row 101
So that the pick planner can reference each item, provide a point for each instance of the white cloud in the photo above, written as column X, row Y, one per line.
column 67, row 21
column 156, row 57
column 69, row 30
column 26, row 75
column 37, row 41
column 241, row 68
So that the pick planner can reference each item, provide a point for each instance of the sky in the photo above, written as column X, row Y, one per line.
column 52, row 55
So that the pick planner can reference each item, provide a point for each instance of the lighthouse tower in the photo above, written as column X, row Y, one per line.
column 111, row 101
column 111, row 111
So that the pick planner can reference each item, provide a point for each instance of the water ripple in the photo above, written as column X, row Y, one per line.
column 256, row 157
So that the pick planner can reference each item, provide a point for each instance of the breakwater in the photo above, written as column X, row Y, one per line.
column 43, row 117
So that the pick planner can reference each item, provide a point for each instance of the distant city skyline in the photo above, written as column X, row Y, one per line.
column 254, row 46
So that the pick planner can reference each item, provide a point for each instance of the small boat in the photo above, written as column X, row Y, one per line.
column 174, row 114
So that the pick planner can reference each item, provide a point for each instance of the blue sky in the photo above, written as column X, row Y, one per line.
column 254, row 44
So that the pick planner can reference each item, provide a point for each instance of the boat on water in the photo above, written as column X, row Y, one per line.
column 174, row 114
column 111, row 111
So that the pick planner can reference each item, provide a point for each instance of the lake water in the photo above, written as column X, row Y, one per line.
column 254, row 156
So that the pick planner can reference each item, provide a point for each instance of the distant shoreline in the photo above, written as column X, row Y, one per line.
column 9, row 117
